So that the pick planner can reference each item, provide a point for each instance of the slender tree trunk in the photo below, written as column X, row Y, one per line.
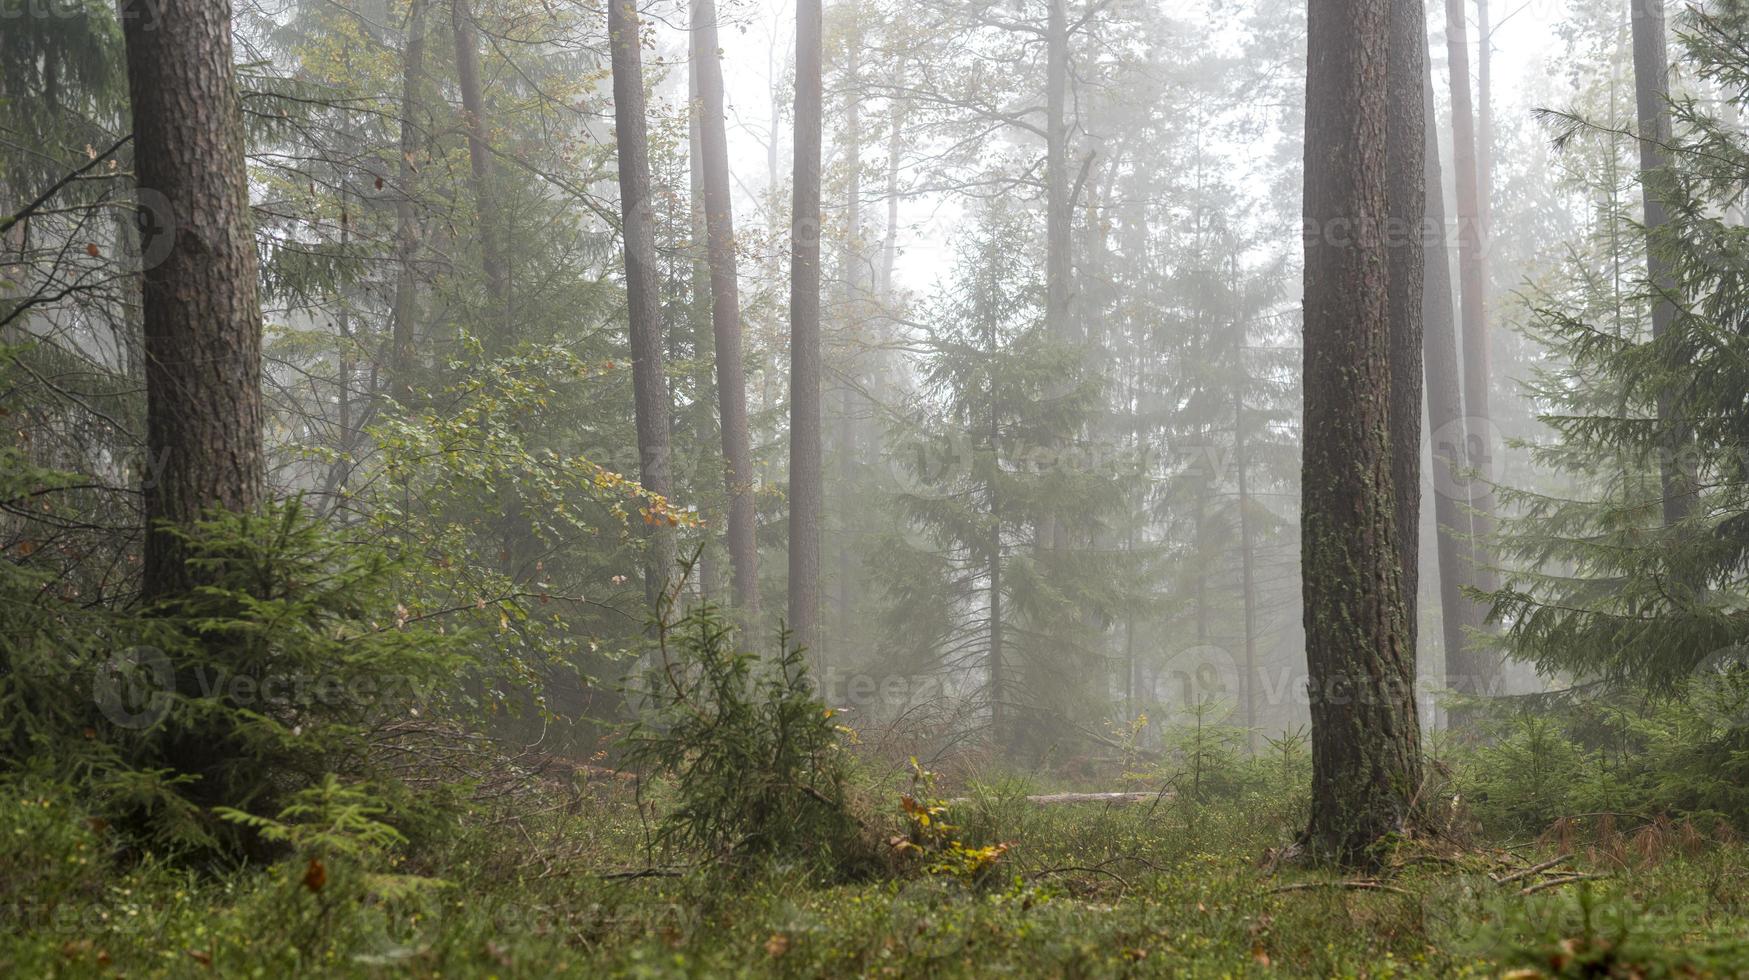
column 467, row 70
column 726, row 316
column 1247, row 570
column 402, row 338
column 643, row 283
column 202, row 320
column 1406, row 125
column 853, row 295
column 890, row 240
column 1651, row 97
column 805, row 490
column 1366, row 756
column 1484, row 119
column 1057, row 244
column 1445, row 417
column 1480, row 433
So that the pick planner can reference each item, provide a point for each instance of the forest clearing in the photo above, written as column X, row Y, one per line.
column 1053, row 488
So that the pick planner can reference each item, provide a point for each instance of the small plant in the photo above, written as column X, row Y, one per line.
column 934, row 841
column 753, row 756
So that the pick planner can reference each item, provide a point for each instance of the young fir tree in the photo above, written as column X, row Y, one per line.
column 1609, row 591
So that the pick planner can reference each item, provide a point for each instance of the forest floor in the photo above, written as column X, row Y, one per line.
column 1169, row 888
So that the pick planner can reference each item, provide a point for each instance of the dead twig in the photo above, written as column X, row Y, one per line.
column 1558, row 882
column 1533, row 870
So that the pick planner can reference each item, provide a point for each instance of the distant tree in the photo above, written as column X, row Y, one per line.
column 1652, row 99
column 201, row 315
column 806, row 464
column 726, row 313
column 1366, row 753
column 1473, row 338
column 643, row 285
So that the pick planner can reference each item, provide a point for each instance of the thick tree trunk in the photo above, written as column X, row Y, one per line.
column 406, row 224
column 1406, row 191
column 202, row 320
column 467, row 70
column 1445, row 417
column 854, row 292
column 726, row 316
column 1366, row 756
column 1481, row 436
column 805, row 490
column 1651, row 98
column 643, row 283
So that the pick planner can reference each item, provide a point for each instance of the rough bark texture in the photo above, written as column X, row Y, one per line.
column 406, row 226
column 202, row 319
column 1480, row 434
column 1445, row 413
column 1651, row 99
column 1366, row 761
column 643, row 282
column 805, row 489
column 467, row 71
column 1405, row 192
column 726, row 315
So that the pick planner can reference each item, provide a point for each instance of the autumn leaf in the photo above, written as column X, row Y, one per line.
column 316, row 875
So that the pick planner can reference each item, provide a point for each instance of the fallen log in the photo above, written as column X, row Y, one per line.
column 1048, row 799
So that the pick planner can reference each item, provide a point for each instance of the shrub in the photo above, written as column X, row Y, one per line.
column 240, row 694
column 753, row 756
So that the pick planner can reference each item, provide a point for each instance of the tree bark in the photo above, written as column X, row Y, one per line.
column 805, row 490
column 406, row 225
column 1445, row 418
column 1651, row 98
column 467, row 70
column 643, row 283
column 726, row 316
column 1406, row 204
column 202, row 319
column 1366, row 755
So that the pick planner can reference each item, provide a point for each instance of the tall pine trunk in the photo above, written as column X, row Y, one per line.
column 402, row 337
column 1445, row 416
column 1651, row 98
column 1406, row 205
column 805, row 489
column 1480, row 434
column 643, row 283
column 202, row 319
column 1366, row 755
column 467, row 70
column 726, row 316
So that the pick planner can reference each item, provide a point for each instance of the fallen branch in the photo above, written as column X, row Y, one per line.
column 1535, row 870
column 1558, row 882
column 1049, row 799
column 1358, row 886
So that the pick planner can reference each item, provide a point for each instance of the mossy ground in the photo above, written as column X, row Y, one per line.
column 1172, row 889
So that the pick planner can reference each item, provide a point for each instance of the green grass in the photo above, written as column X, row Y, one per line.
column 1169, row 890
